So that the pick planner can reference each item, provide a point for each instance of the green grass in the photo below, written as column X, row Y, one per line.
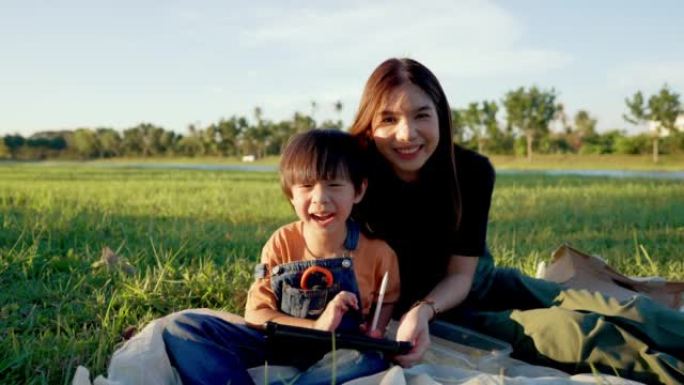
column 193, row 237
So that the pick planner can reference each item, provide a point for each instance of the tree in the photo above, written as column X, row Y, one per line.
column 330, row 124
column 229, row 132
column 584, row 129
column 280, row 133
column 85, row 143
column 302, row 122
column 40, row 147
column 144, row 139
column 530, row 111
column 472, row 120
column 210, row 138
column 109, row 142
column 4, row 151
column 457, row 124
column 491, row 125
column 131, row 142
column 13, row 143
column 338, row 109
column 190, row 145
column 150, row 136
column 585, row 125
column 168, row 141
column 562, row 118
column 258, row 114
column 662, row 109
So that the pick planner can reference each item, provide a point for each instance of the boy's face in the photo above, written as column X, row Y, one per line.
column 325, row 205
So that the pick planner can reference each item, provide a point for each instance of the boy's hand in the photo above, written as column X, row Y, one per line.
column 332, row 315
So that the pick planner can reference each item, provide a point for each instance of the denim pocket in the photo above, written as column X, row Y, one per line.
column 303, row 303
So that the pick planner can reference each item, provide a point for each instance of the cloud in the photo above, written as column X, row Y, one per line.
column 222, row 59
column 648, row 75
column 471, row 38
column 329, row 52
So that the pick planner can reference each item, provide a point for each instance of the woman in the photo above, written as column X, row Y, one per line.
column 429, row 199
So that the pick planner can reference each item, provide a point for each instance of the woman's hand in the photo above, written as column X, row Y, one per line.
column 414, row 328
column 331, row 317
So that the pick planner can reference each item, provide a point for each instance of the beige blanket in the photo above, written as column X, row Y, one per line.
column 142, row 360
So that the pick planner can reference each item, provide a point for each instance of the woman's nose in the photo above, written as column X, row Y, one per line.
column 405, row 131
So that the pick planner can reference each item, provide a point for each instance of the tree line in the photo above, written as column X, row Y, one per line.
column 525, row 129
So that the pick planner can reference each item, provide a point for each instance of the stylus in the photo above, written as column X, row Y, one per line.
column 378, row 305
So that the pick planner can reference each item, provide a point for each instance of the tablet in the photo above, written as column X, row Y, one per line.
column 285, row 335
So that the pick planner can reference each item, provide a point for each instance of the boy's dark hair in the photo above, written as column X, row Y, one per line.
column 321, row 155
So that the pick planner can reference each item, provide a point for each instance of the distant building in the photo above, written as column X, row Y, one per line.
column 248, row 158
column 679, row 125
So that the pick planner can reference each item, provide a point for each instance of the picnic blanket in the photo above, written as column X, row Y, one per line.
column 142, row 360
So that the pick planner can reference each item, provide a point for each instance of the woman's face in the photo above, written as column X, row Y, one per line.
column 406, row 130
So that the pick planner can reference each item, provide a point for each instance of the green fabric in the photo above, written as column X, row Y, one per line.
column 575, row 330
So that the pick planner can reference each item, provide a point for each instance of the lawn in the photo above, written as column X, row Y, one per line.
column 193, row 236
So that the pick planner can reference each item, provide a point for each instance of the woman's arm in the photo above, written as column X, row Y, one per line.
column 448, row 293
column 454, row 288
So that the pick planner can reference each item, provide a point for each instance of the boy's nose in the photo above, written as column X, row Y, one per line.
column 319, row 194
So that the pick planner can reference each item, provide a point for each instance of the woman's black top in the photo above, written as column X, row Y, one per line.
column 417, row 221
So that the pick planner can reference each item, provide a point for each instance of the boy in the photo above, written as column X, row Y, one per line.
column 319, row 272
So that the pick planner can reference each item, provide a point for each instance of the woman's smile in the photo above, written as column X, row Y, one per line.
column 408, row 153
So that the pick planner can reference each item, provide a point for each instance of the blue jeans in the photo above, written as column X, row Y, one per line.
column 208, row 350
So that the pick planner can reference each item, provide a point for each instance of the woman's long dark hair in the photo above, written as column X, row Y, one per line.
column 440, row 169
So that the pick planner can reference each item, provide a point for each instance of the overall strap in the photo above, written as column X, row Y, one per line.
column 353, row 234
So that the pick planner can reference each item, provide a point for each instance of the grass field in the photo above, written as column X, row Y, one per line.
column 193, row 237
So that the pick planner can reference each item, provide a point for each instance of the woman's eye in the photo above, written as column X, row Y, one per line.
column 387, row 120
column 422, row 115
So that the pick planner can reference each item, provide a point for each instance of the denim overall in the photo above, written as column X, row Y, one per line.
column 310, row 303
column 209, row 350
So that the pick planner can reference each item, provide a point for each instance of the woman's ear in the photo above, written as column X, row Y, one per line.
column 362, row 191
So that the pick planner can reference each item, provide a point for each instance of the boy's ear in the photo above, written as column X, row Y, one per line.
column 362, row 191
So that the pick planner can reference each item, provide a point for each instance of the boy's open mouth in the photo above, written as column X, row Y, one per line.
column 322, row 218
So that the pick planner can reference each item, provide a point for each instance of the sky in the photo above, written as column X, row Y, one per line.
column 83, row 63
